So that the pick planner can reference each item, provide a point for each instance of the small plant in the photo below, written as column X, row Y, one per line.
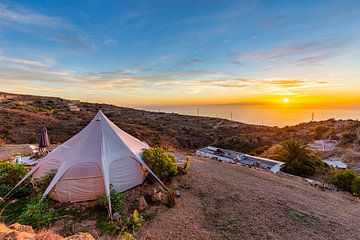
column 184, row 168
column 37, row 214
column 356, row 186
column 343, row 180
column 134, row 221
column 117, row 200
column 108, row 227
column 41, row 184
column 127, row 236
column 161, row 163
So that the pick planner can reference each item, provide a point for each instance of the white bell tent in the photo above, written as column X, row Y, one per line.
column 86, row 165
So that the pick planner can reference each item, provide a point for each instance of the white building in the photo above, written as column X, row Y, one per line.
column 335, row 162
column 230, row 156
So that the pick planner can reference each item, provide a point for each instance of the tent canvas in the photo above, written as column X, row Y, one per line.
column 86, row 165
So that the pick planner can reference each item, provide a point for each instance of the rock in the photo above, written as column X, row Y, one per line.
column 157, row 197
column 15, row 235
column 142, row 203
column 116, row 215
column 81, row 236
column 21, row 228
column 177, row 193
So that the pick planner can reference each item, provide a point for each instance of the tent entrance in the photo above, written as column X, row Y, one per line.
column 81, row 182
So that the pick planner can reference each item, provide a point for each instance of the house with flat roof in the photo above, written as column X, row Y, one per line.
column 230, row 156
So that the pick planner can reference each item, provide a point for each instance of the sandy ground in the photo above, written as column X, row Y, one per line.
column 225, row 201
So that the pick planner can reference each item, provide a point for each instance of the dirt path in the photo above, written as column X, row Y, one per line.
column 224, row 201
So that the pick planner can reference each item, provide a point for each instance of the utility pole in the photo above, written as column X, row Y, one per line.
column 312, row 116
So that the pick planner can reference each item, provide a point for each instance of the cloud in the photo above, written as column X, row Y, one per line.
column 25, row 16
column 327, row 44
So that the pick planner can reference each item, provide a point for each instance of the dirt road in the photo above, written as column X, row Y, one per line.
column 225, row 201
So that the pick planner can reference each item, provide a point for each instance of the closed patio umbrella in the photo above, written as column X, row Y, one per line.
column 44, row 141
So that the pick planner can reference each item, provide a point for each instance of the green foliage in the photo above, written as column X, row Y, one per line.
column 117, row 200
column 356, row 186
column 37, row 214
column 108, row 227
column 348, row 137
column 299, row 160
column 127, row 236
column 134, row 221
column 259, row 150
column 162, row 164
column 42, row 183
column 10, row 175
column 343, row 180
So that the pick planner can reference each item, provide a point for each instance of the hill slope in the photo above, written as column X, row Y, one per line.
column 225, row 201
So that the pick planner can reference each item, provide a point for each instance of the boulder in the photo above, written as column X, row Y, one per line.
column 15, row 235
column 142, row 203
column 21, row 228
column 157, row 197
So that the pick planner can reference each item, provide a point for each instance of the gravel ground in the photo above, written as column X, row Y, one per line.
column 225, row 201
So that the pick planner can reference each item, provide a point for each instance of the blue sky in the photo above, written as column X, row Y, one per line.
column 180, row 52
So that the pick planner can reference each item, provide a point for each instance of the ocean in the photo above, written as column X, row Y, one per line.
column 262, row 115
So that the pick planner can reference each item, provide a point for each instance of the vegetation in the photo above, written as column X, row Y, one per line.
column 184, row 168
column 343, row 180
column 321, row 131
column 356, row 186
column 161, row 163
column 134, row 221
column 298, row 159
column 108, row 227
column 10, row 175
column 348, row 137
column 117, row 200
column 2, row 142
column 41, row 184
column 37, row 214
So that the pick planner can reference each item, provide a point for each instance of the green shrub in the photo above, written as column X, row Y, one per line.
column 117, row 200
column 348, row 137
column 134, row 221
column 161, row 163
column 343, row 180
column 10, row 175
column 42, row 183
column 108, row 227
column 356, row 186
column 320, row 131
column 37, row 214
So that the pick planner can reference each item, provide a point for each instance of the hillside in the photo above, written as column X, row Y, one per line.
column 225, row 201
column 22, row 116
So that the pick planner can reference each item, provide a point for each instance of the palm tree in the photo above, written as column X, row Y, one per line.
column 298, row 159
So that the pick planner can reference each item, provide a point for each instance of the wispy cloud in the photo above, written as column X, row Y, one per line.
column 28, row 17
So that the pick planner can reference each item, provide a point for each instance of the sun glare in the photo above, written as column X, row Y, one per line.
column 285, row 100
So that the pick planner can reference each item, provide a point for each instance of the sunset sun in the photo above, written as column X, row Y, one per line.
column 286, row 100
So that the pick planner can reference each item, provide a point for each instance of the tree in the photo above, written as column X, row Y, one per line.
column 298, row 159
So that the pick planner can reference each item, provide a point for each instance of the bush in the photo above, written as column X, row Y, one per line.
column 356, row 186
column 117, row 200
column 37, row 214
column 41, row 184
column 343, row 180
column 10, row 175
column 299, row 160
column 108, row 227
column 348, row 137
column 162, row 164
column 320, row 131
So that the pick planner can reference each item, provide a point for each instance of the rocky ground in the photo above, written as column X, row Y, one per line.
column 225, row 201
